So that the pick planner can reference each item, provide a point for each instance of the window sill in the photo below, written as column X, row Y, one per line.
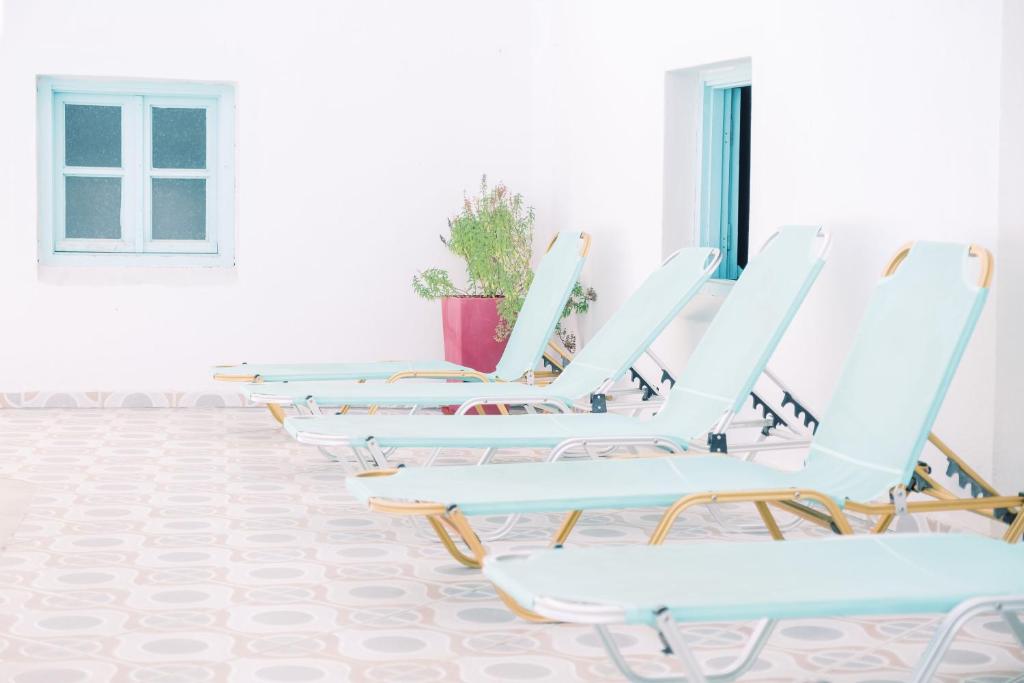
column 105, row 274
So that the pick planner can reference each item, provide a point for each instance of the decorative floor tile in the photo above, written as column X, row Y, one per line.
column 202, row 545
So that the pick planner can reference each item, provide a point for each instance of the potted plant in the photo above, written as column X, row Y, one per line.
column 493, row 234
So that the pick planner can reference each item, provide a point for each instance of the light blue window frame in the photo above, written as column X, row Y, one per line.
column 720, row 163
column 136, row 246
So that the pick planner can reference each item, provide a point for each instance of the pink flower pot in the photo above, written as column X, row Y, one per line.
column 469, row 323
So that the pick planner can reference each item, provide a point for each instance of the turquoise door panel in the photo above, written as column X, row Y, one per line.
column 720, row 176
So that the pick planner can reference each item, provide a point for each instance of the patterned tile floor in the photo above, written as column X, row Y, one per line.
column 190, row 545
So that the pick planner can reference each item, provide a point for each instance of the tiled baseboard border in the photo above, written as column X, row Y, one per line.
column 120, row 399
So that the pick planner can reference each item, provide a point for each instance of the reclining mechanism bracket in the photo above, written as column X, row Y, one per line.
column 966, row 480
column 599, row 403
column 647, row 390
column 799, row 410
column 768, row 414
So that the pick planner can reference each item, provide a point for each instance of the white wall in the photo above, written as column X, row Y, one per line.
column 360, row 123
column 359, row 126
column 878, row 120
column 1009, row 429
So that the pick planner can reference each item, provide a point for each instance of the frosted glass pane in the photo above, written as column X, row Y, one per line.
column 179, row 208
column 179, row 138
column 92, row 135
column 92, row 207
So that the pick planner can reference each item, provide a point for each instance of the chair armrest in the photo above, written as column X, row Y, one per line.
column 513, row 400
column 668, row 443
column 791, row 495
column 438, row 374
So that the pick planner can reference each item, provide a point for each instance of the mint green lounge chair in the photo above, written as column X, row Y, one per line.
column 957, row 575
column 553, row 281
column 865, row 451
column 718, row 378
column 602, row 361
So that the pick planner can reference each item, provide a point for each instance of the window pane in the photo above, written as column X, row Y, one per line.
column 179, row 208
column 92, row 135
column 92, row 208
column 179, row 138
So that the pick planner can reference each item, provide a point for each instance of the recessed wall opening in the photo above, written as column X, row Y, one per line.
column 725, row 175
column 708, row 112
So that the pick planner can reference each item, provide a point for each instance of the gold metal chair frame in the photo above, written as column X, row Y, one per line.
column 449, row 520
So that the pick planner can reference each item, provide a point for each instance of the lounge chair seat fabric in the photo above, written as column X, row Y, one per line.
column 832, row 577
column 565, row 485
column 405, row 393
column 915, row 330
column 466, row 431
column 311, row 372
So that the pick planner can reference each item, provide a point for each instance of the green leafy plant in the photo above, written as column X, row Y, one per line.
column 579, row 302
column 493, row 234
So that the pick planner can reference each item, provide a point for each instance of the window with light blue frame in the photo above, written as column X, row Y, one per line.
column 725, row 169
column 135, row 172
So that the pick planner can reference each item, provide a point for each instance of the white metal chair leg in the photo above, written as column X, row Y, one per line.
column 380, row 458
column 612, row 648
column 751, row 528
column 486, row 457
column 1013, row 621
column 433, row 457
column 955, row 620
column 669, row 630
column 359, row 457
column 502, row 530
column 327, row 454
column 673, row 637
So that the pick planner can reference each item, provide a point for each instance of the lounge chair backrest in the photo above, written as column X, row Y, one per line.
column 904, row 355
column 638, row 321
column 734, row 350
column 553, row 281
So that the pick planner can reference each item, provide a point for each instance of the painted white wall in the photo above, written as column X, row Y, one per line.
column 1009, row 430
column 359, row 126
column 868, row 118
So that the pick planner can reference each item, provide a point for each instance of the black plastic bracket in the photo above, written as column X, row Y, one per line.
column 800, row 411
column 917, row 483
column 1005, row 515
column 645, row 387
column 717, row 442
column 666, row 377
column 768, row 414
column 554, row 368
column 599, row 403
column 964, row 480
